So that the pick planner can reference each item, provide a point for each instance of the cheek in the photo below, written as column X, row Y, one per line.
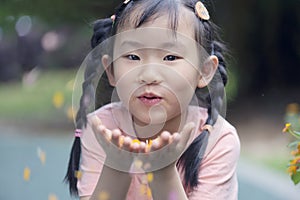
column 182, row 86
column 125, row 85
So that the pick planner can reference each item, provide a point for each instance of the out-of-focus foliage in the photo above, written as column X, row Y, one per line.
column 56, row 11
column 262, row 35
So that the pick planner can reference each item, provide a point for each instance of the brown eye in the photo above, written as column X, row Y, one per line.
column 133, row 57
column 170, row 58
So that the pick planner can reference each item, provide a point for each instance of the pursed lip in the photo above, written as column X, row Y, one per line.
column 150, row 98
column 149, row 95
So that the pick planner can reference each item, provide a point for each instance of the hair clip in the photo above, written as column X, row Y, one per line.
column 78, row 133
column 201, row 11
column 207, row 127
column 113, row 17
column 126, row 1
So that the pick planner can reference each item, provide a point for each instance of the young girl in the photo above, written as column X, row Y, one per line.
column 155, row 131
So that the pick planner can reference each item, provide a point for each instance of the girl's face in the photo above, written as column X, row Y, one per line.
column 156, row 70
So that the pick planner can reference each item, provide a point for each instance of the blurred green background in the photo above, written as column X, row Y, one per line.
column 42, row 45
column 40, row 37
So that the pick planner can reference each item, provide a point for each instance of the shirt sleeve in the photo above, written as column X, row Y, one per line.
column 217, row 176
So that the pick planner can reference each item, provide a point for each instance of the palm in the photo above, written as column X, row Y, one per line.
column 123, row 152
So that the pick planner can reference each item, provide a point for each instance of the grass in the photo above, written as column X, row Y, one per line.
column 31, row 102
column 21, row 102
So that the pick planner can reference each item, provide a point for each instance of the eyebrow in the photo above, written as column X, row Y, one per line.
column 166, row 45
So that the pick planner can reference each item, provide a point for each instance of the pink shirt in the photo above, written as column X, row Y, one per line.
column 217, row 176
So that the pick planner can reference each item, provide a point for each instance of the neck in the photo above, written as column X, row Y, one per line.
column 151, row 131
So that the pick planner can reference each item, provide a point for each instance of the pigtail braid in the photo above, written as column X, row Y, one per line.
column 102, row 30
column 212, row 97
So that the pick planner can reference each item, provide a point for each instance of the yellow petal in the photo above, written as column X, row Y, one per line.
column 149, row 193
column 136, row 141
column 150, row 177
column 41, row 155
column 26, row 174
column 143, row 189
column 58, row 99
column 78, row 174
column 103, row 196
column 52, row 197
column 138, row 164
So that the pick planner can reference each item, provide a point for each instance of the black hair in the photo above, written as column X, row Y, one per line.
column 212, row 96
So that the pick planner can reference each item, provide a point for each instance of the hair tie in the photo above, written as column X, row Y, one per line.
column 201, row 11
column 78, row 133
column 207, row 127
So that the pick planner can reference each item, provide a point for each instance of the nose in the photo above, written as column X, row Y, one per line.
column 150, row 75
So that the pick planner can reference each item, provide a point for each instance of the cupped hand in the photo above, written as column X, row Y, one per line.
column 123, row 151
column 118, row 148
column 166, row 149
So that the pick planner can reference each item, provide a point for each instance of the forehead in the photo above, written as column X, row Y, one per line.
column 180, row 21
column 157, row 31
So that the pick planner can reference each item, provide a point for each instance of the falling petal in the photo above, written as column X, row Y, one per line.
column 143, row 189
column 150, row 177
column 138, row 164
column 147, row 166
column 103, row 196
column 58, row 99
column 42, row 155
column 52, row 197
column 149, row 193
column 78, row 174
column 26, row 174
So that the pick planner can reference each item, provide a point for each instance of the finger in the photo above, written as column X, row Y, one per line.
column 175, row 138
column 101, row 136
column 98, row 127
column 116, row 134
column 143, row 146
column 121, row 141
column 165, row 138
column 155, row 144
column 134, row 147
column 95, row 121
column 127, row 143
column 106, row 132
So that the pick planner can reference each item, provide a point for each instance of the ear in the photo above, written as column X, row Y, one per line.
column 208, row 70
column 107, row 64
